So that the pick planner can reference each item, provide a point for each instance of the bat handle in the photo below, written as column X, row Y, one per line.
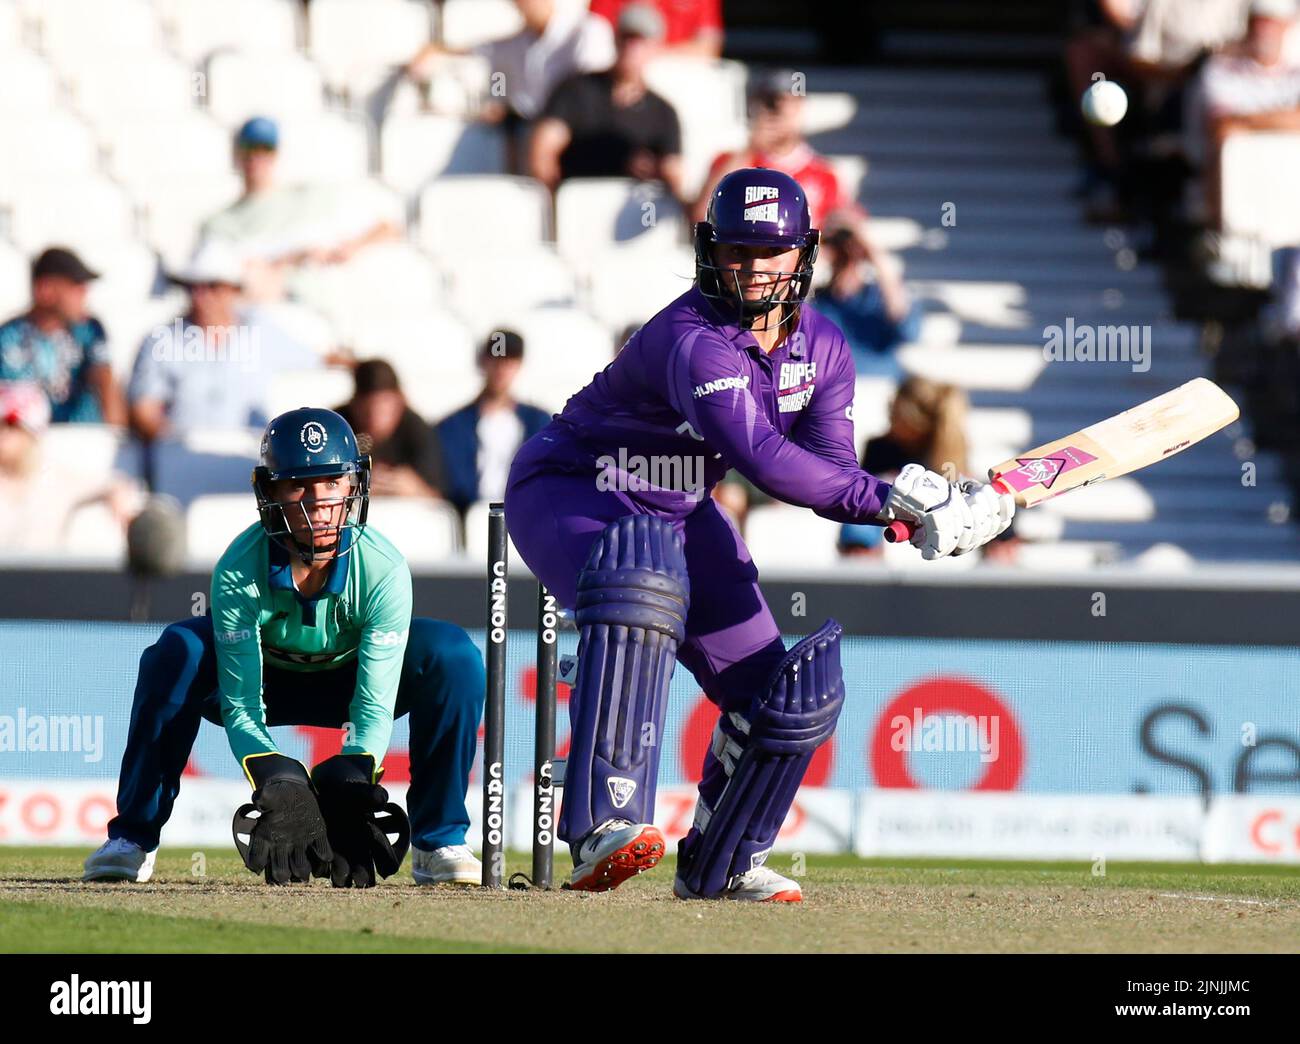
column 900, row 532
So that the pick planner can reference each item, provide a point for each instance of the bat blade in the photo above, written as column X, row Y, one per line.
column 1134, row 439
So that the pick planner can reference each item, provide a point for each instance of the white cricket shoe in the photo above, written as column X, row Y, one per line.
column 614, row 851
column 119, row 860
column 760, row 885
column 450, row 864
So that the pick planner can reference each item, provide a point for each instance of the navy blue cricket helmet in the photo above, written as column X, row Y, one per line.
column 310, row 443
column 755, row 206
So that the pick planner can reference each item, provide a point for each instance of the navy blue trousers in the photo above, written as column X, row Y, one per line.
column 442, row 688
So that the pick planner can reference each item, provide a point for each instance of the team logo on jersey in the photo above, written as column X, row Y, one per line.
column 795, row 386
column 762, row 203
column 313, row 436
column 621, row 790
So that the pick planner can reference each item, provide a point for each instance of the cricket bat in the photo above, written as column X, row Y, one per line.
column 1134, row 439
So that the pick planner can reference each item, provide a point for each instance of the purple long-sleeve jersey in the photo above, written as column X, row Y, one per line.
column 690, row 396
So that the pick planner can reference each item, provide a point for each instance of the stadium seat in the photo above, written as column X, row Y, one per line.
column 1258, row 193
column 510, row 213
column 241, row 85
column 378, row 280
column 563, row 349
column 197, row 148
column 468, row 23
column 129, row 320
column 594, row 213
column 15, row 281
column 74, row 211
column 1007, row 368
column 1119, row 500
column 415, row 149
column 57, row 144
column 476, row 538
column 293, row 388
column 197, row 28
column 427, row 532
column 127, row 270
column 780, row 536
column 488, row 293
column 92, row 448
column 173, row 209
column 93, row 535
column 415, row 341
column 27, row 83
column 204, row 463
column 212, row 521
column 158, row 86
column 73, row 32
column 352, row 38
column 11, row 28
column 700, row 89
column 629, row 285
column 324, row 147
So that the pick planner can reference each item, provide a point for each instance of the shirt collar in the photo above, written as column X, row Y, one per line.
column 797, row 347
column 281, row 569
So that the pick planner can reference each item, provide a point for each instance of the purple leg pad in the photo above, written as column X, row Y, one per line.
column 631, row 615
column 760, row 761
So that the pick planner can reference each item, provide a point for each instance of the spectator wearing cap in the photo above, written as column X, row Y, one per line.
column 406, row 459
column 279, row 227
column 691, row 27
column 776, row 141
column 558, row 40
column 1251, row 86
column 40, row 500
column 611, row 124
column 480, row 439
column 211, row 367
column 62, row 348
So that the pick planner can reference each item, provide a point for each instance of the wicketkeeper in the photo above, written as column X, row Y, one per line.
column 310, row 624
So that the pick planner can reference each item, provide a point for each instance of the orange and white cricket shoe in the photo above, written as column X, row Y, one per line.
column 614, row 851
column 760, row 885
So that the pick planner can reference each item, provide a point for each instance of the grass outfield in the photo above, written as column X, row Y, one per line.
column 849, row 905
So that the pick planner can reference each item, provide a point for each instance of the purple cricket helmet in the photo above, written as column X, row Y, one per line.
column 755, row 206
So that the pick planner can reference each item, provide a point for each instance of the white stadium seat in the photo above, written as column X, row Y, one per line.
column 242, row 85
column 73, row 211
column 780, row 536
column 196, row 28
column 56, row 144
column 468, row 23
column 563, row 349
column 11, row 27
column 376, row 281
column 129, row 320
column 414, row 149
column 629, row 285
column 127, row 269
column 416, row 341
column 212, row 522
column 174, row 208
column 488, row 292
column 92, row 448
column 91, row 533
column 427, row 532
column 75, row 31
column 694, row 85
column 1258, row 188
column 293, row 388
column 351, row 38
column 158, row 86
column 163, row 156
column 205, row 462
column 326, row 147
column 15, row 281
column 508, row 212
column 27, row 83
column 594, row 213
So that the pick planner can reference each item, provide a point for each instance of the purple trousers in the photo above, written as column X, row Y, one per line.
column 732, row 642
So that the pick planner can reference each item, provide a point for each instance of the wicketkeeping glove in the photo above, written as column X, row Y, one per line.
column 360, row 819
column 288, row 840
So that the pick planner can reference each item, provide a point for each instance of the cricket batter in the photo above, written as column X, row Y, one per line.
column 310, row 624
column 737, row 372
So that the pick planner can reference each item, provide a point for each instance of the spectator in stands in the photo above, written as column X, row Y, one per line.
column 1251, row 86
column 212, row 366
column 610, row 124
column 279, row 227
column 859, row 309
column 692, row 28
column 480, row 439
column 40, row 501
column 406, row 459
column 60, row 346
column 927, row 424
column 558, row 40
column 776, row 141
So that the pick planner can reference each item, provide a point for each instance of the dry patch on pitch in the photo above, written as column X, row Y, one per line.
column 849, row 911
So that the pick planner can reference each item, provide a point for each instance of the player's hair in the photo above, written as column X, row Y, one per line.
column 938, row 410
